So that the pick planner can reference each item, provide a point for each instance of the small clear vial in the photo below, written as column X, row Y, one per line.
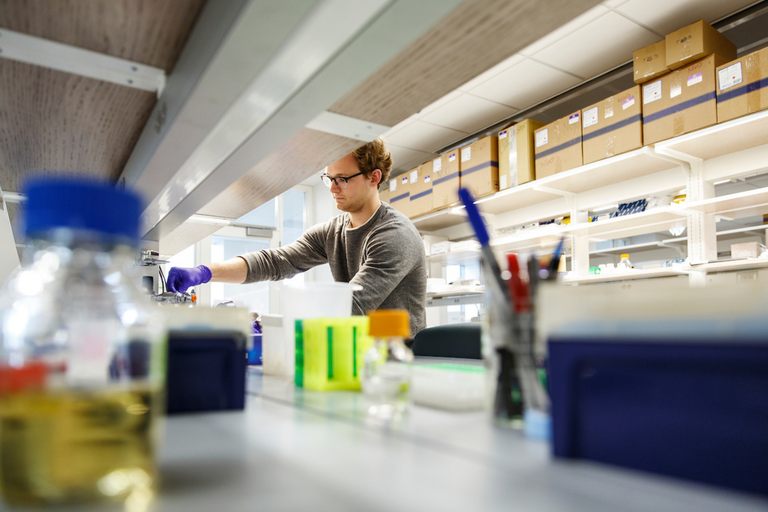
column 624, row 264
column 387, row 365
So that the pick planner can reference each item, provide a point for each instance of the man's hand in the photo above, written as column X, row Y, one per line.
column 180, row 278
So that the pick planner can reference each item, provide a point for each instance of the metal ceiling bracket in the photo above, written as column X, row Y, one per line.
column 70, row 59
column 345, row 126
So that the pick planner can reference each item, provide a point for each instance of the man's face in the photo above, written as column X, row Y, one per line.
column 357, row 193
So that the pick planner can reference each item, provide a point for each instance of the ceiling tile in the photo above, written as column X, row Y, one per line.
column 612, row 4
column 425, row 136
column 439, row 103
column 402, row 156
column 525, row 84
column 665, row 16
column 495, row 70
column 572, row 26
column 585, row 52
column 399, row 126
column 469, row 114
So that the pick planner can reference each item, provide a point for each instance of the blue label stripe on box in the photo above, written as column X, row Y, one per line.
column 615, row 126
column 398, row 198
column 421, row 194
column 561, row 147
column 445, row 178
column 744, row 89
column 479, row 167
column 679, row 108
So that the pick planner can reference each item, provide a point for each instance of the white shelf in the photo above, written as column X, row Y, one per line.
column 625, row 276
column 454, row 257
column 457, row 298
column 439, row 220
column 658, row 219
column 533, row 238
column 722, row 139
column 725, row 266
column 743, row 204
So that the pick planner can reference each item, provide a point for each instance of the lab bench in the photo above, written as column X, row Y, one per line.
column 293, row 449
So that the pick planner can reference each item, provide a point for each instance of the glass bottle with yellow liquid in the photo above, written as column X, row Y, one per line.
column 82, row 354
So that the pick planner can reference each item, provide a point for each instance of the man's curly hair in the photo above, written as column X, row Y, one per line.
column 374, row 155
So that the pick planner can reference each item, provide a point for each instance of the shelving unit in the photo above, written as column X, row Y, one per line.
column 729, row 150
column 454, row 257
column 455, row 299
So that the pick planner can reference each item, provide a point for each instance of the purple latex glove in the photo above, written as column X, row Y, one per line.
column 181, row 278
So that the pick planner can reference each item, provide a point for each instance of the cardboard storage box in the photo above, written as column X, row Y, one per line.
column 742, row 86
column 480, row 166
column 399, row 194
column 680, row 102
column 612, row 126
column 558, row 146
column 420, row 184
column 445, row 180
column 650, row 62
column 516, row 158
column 384, row 193
column 746, row 250
column 696, row 41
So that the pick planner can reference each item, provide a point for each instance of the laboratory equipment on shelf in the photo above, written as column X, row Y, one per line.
column 82, row 358
column 624, row 264
column 387, row 365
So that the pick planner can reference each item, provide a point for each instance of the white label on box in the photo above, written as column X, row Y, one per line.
column 730, row 76
column 542, row 137
column 503, row 181
column 404, row 181
column 675, row 90
column 437, row 165
column 503, row 135
column 452, row 157
column 574, row 118
column 392, row 185
column 414, row 176
column 608, row 113
column 652, row 92
column 426, row 179
column 466, row 153
column 627, row 103
column 590, row 117
column 694, row 79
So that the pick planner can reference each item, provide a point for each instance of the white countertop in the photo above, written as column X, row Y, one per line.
column 293, row 449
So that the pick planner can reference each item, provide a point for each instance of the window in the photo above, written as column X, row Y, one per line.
column 253, row 296
column 265, row 215
column 294, row 222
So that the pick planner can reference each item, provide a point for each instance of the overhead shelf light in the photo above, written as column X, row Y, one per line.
column 207, row 219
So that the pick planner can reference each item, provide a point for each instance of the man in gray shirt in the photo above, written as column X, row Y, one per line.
column 370, row 244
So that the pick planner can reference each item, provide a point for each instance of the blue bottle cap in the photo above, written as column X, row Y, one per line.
column 82, row 204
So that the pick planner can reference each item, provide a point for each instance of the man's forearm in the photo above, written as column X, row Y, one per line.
column 230, row 271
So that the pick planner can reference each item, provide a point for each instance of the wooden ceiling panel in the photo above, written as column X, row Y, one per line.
column 149, row 32
column 52, row 121
column 304, row 154
column 476, row 36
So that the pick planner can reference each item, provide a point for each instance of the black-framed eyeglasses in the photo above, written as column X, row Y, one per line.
column 340, row 182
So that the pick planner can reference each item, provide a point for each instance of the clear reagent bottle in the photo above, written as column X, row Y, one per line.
column 624, row 264
column 387, row 365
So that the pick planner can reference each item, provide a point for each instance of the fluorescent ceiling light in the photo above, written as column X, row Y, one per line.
column 207, row 219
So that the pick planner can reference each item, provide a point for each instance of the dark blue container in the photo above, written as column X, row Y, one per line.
column 206, row 371
column 694, row 410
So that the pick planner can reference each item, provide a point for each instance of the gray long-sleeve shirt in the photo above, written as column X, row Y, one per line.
column 385, row 256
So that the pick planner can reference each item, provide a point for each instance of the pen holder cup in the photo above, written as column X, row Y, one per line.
column 516, row 393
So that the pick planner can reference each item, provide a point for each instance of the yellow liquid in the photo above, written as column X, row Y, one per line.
column 72, row 446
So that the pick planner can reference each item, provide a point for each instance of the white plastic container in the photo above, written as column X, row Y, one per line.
column 298, row 302
column 272, row 341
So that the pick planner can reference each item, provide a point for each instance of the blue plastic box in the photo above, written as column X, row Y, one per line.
column 206, row 370
column 692, row 409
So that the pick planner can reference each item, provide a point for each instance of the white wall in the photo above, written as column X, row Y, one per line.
column 324, row 209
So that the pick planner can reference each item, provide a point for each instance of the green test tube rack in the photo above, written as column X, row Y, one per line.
column 330, row 351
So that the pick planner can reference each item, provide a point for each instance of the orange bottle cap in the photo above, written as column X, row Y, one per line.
column 389, row 322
